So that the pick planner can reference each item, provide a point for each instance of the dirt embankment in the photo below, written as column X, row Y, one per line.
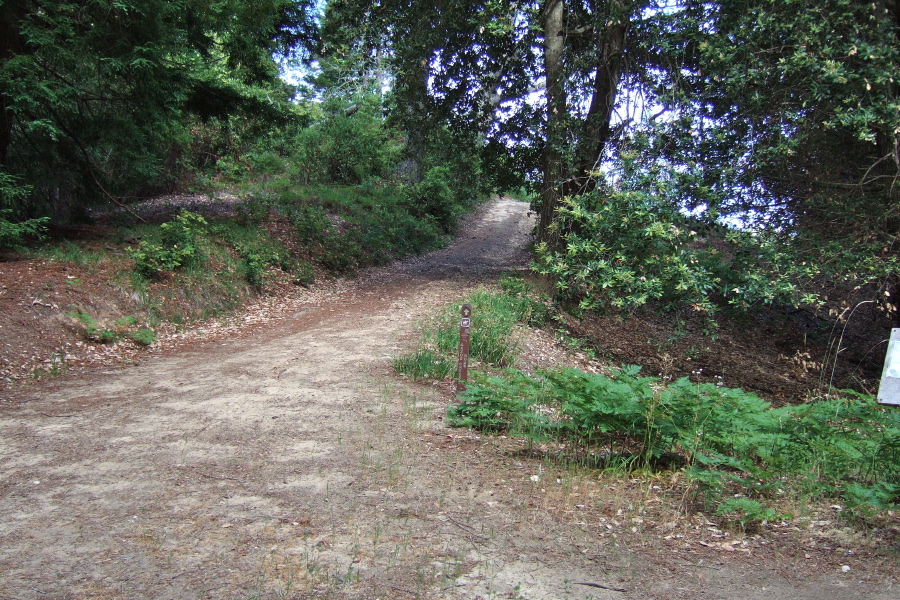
column 283, row 460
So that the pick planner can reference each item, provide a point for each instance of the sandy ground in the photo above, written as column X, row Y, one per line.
column 286, row 461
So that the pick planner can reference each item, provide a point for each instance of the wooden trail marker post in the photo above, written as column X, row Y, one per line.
column 462, row 364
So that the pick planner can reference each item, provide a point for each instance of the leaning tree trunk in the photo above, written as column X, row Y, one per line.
column 554, row 41
column 598, row 124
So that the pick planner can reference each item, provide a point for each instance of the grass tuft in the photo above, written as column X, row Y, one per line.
column 424, row 364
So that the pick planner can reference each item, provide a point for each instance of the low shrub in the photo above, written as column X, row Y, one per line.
column 92, row 330
column 254, row 267
column 310, row 222
column 302, row 272
column 15, row 233
column 434, row 197
column 178, row 246
column 142, row 336
column 728, row 440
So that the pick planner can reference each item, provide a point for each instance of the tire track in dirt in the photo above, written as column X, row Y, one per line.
column 286, row 462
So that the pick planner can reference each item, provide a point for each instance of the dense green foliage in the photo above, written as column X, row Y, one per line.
column 742, row 456
column 336, row 229
column 768, row 114
column 625, row 249
column 780, row 112
column 193, row 267
column 702, row 153
column 13, row 231
column 783, row 121
column 779, row 119
column 104, row 102
column 98, row 98
column 728, row 440
column 178, row 245
column 447, row 65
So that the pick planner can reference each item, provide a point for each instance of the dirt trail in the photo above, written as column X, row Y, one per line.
column 286, row 462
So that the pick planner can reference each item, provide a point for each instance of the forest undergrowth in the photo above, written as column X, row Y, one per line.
column 733, row 453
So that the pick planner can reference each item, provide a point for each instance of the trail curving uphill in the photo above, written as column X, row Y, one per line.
column 286, row 462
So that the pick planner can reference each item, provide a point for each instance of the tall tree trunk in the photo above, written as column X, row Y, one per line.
column 598, row 124
column 554, row 41
column 415, row 88
column 11, row 14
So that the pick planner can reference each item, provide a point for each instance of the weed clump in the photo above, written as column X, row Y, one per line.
column 424, row 364
column 92, row 330
column 496, row 318
column 125, row 327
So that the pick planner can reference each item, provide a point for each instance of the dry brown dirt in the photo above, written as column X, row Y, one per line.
column 283, row 459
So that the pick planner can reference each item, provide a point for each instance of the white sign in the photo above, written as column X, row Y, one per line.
column 889, row 390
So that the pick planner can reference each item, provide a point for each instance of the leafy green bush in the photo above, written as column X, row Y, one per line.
column 345, row 146
column 254, row 269
column 501, row 403
column 727, row 439
column 310, row 222
column 340, row 253
column 15, row 232
column 434, row 197
column 625, row 249
column 255, row 208
column 266, row 162
column 179, row 245
column 307, row 162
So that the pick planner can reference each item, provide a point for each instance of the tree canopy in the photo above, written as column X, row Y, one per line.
column 97, row 96
column 775, row 122
column 775, row 117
